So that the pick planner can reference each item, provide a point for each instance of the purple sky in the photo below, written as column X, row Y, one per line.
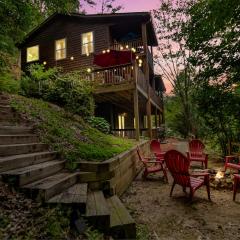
column 134, row 5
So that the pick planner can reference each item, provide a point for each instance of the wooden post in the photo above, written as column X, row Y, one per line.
column 156, row 123
column 146, row 72
column 135, row 103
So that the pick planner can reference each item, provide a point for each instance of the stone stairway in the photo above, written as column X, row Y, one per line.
column 30, row 167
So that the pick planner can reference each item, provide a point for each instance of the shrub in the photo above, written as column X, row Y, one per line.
column 8, row 83
column 35, row 83
column 71, row 90
column 99, row 123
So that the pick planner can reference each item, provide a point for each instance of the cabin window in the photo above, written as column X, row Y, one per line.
column 33, row 53
column 87, row 43
column 60, row 49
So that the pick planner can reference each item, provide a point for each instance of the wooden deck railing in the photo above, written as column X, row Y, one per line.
column 134, row 44
column 155, row 97
column 114, row 75
column 141, row 80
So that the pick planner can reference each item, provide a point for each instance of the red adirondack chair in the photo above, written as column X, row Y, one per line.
column 196, row 152
column 236, row 184
column 178, row 165
column 152, row 165
column 156, row 149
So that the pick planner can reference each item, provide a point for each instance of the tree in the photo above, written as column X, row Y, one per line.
column 213, row 35
column 108, row 6
column 173, row 54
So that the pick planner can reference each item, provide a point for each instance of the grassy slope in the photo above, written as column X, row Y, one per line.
column 69, row 134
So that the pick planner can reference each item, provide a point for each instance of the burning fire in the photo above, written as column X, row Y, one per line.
column 219, row 175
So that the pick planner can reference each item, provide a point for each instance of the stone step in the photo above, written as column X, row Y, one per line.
column 122, row 225
column 23, row 160
column 5, row 107
column 46, row 188
column 7, row 130
column 15, row 149
column 18, row 139
column 25, row 175
column 97, row 211
column 7, row 115
column 75, row 196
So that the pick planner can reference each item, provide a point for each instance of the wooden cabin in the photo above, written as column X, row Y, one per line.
column 128, row 95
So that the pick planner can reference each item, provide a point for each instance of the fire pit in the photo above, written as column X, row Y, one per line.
column 220, row 179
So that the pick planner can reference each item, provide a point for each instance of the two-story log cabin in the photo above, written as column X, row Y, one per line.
column 116, row 50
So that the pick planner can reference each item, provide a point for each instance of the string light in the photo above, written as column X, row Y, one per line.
column 72, row 58
column 127, row 46
column 89, row 70
column 121, row 47
column 134, row 50
column 140, row 61
column 108, row 50
column 44, row 63
column 104, row 51
column 137, row 57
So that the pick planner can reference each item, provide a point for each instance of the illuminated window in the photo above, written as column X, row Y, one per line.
column 87, row 43
column 60, row 49
column 121, row 121
column 33, row 53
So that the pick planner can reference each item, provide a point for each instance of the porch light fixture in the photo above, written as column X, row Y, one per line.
column 72, row 58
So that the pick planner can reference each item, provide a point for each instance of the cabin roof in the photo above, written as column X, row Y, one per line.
column 140, row 17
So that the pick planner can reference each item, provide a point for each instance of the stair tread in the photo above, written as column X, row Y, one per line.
column 119, row 214
column 9, row 158
column 49, row 182
column 18, row 135
column 96, row 205
column 22, row 144
column 24, row 170
column 76, row 194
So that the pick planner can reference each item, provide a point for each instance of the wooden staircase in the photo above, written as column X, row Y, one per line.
column 30, row 167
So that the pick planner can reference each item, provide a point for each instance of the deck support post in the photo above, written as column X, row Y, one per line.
column 146, row 71
column 135, row 103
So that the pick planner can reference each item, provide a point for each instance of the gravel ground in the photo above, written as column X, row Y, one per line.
column 176, row 218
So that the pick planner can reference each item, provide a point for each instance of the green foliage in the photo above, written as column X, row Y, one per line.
column 71, row 90
column 93, row 234
column 69, row 134
column 35, row 83
column 8, row 83
column 99, row 123
column 143, row 232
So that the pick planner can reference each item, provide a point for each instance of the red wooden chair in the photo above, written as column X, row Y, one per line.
column 178, row 165
column 156, row 149
column 236, row 184
column 196, row 152
column 151, row 165
column 230, row 164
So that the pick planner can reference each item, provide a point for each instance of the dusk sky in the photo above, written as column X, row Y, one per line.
column 134, row 5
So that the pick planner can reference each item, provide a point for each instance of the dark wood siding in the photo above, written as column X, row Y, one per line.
column 71, row 30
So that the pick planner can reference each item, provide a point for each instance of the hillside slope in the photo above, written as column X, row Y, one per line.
column 69, row 134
